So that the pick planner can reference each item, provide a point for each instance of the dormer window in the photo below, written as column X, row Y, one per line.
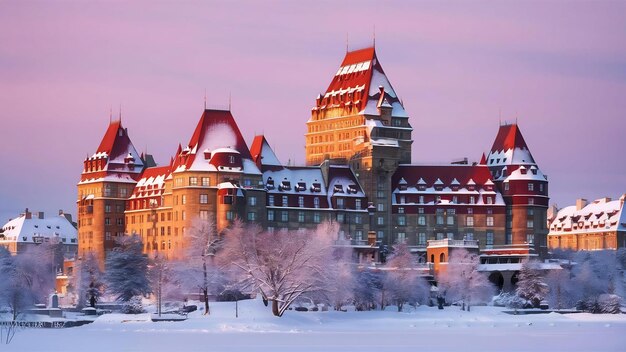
column 231, row 159
column 270, row 183
column 301, row 186
column 523, row 170
column 338, row 189
column 285, row 185
column 352, row 189
column 316, row 187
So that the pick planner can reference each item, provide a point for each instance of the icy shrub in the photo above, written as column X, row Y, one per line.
column 609, row 304
column 509, row 300
column 133, row 306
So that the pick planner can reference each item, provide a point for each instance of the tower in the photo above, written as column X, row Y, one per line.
column 360, row 121
column 523, row 186
column 106, row 182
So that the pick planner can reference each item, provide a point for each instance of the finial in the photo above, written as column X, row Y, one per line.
column 204, row 98
column 374, row 37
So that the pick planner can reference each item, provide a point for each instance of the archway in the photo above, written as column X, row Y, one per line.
column 497, row 279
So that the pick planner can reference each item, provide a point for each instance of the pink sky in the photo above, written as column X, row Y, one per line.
column 559, row 68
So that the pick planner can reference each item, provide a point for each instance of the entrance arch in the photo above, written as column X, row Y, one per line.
column 497, row 279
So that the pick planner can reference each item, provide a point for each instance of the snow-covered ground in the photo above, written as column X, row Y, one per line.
column 424, row 329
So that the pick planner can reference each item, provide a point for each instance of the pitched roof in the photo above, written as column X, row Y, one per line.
column 446, row 174
column 262, row 153
column 358, row 81
column 509, row 137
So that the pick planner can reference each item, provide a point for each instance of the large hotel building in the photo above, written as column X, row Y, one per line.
column 358, row 173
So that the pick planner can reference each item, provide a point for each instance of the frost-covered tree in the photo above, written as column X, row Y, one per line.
column 561, row 288
column 89, row 282
column 461, row 280
column 401, row 282
column 199, row 270
column 367, row 287
column 26, row 278
column 126, row 273
column 531, row 285
column 283, row 265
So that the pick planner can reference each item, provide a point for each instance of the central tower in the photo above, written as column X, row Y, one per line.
column 360, row 121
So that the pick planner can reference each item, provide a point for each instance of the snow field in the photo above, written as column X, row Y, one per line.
column 425, row 328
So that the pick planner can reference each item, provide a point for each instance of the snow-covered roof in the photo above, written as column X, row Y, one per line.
column 29, row 228
column 601, row 215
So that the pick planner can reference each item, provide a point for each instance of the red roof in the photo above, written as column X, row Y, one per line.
column 352, row 80
column 509, row 137
column 155, row 171
column 216, row 129
column 256, row 148
column 446, row 173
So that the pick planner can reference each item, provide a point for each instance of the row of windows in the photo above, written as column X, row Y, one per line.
column 422, row 238
column 283, row 216
column 449, row 220
column 454, row 199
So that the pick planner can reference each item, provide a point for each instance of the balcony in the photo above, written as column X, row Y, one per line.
column 453, row 243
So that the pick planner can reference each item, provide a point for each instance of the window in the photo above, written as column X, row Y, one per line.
column 472, row 200
column 107, row 236
column 530, row 212
column 509, row 238
column 455, row 199
column 205, row 181
column 420, row 210
column 469, row 236
column 530, row 223
column 178, row 181
column 421, row 220
column 438, row 199
column 300, row 216
column 316, row 202
column 450, row 236
column 440, row 236
column 229, row 216
column 402, row 199
column 107, row 221
column 401, row 237
column 439, row 219
column 316, row 217
column 123, row 192
column 380, row 194
column 359, row 235
column 380, row 235
column 450, row 220
column 380, row 207
column 357, row 204
column 251, row 216
column 204, row 214
column 421, row 200
column 489, row 238
column 107, row 208
column 251, row 201
column 193, row 181
column 401, row 220
column 541, row 187
column 204, row 199
column 285, row 201
column 183, row 199
column 358, row 219
column 270, row 215
column 531, row 186
column 530, row 238
column 470, row 210
column 531, row 201
column 380, row 220
column 284, row 216
column 490, row 221
column 231, row 159
column 401, row 210
column 469, row 221
column 489, row 200
column 270, row 200
column 301, row 201
column 340, row 203
column 340, row 218
column 182, row 215
column 421, row 238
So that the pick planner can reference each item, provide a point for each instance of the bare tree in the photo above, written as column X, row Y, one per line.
column 282, row 266
column 401, row 281
column 89, row 281
column 26, row 278
column 462, row 281
column 199, row 270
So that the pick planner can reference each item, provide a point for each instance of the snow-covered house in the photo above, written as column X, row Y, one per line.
column 600, row 224
column 35, row 229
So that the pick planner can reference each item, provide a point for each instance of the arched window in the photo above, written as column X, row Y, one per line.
column 442, row 258
column 432, row 258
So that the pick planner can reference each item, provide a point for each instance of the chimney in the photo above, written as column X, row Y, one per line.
column 621, row 200
column 581, row 203
column 27, row 214
column 40, row 215
column 60, row 212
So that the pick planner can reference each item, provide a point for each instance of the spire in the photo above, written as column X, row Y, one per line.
column 483, row 160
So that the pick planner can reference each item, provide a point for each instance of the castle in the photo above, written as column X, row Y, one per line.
column 358, row 173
